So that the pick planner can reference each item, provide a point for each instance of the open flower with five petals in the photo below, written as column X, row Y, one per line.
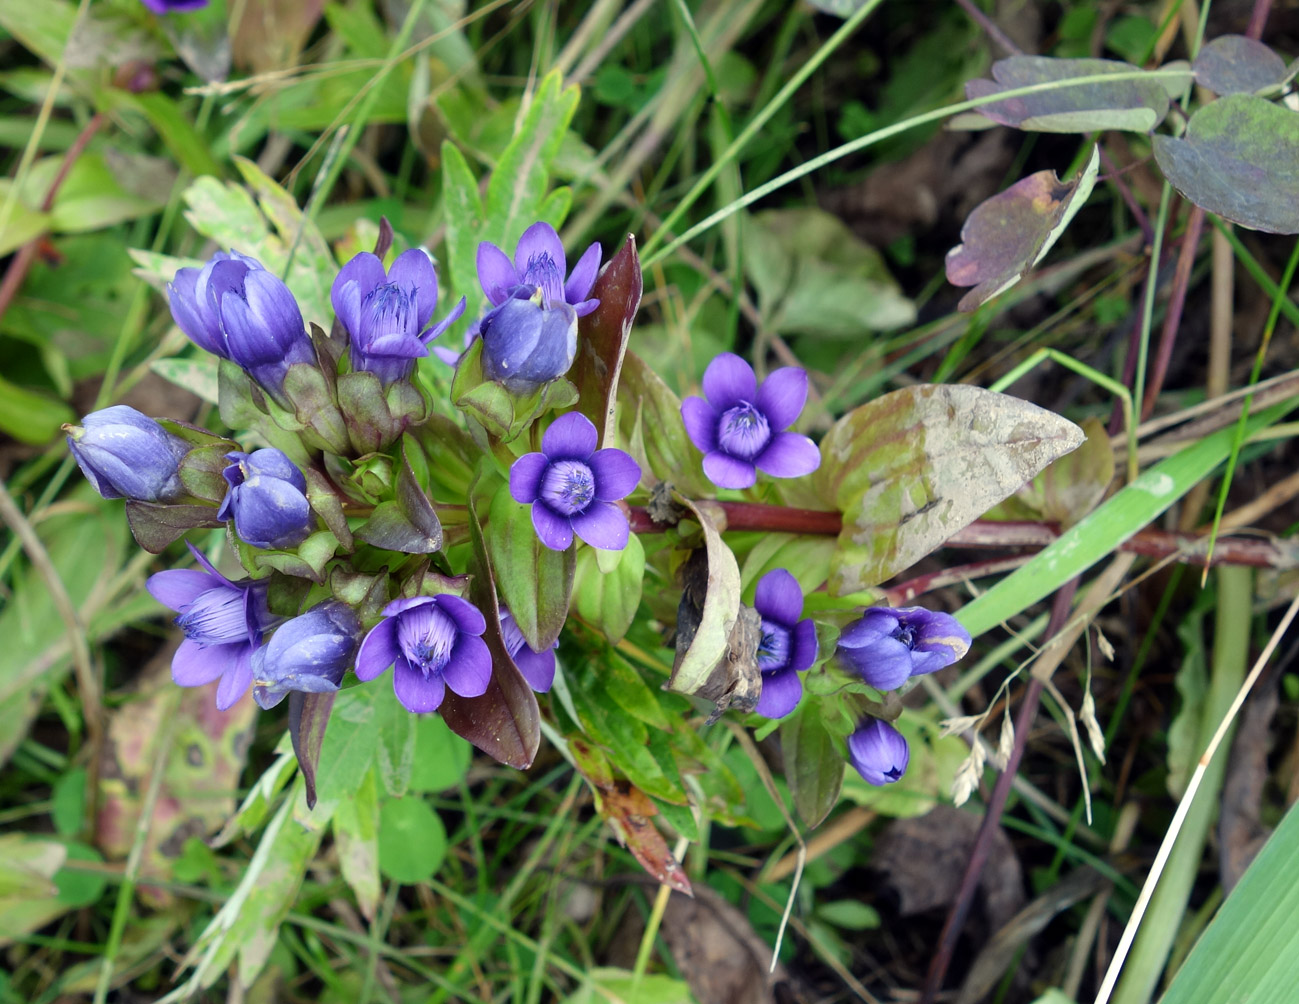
column 788, row 646
column 572, row 486
column 886, row 646
column 739, row 426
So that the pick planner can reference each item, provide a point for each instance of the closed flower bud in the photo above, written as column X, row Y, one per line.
column 309, row 654
column 194, row 305
column 878, row 751
column 267, row 499
column 526, row 344
column 261, row 322
column 887, row 646
column 125, row 454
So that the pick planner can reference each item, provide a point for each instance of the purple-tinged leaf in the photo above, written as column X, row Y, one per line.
column 308, row 716
column 911, row 468
column 1239, row 159
column 602, row 339
column 1236, row 64
column 814, row 766
column 156, row 526
column 1011, row 232
column 1134, row 105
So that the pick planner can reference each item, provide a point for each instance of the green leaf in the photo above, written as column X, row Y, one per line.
column 43, row 28
column 1237, row 64
column 465, row 227
column 356, row 840
column 606, row 985
column 1135, row 105
column 68, row 802
column 1239, row 158
column 173, row 127
column 807, row 558
column 909, row 469
column 850, row 914
column 412, row 840
column 31, row 417
column 609, row 600
column 1011, row 232
column 814, row 764
column 24, row 223
column 651, row 424
column 197, row 375
column 441, row 757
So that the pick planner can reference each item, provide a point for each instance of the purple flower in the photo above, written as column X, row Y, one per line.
column 878, row 751
column 223, row 623
column 387, row 314
column 267, row 499
column 173, row 6
column 538, row 668
column 125, row 454
column 309, row 653
column 194, row 304
column 431, row 642
column 740, row 426
column 886, row 646
column 788, row 645
column 572, row 486
column 530, row 334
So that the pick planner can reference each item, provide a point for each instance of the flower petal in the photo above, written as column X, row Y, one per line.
column 193, row 665
column 469, row 670
column 728, row 381
column 782, row 396
column 584, row 307
column 602, row 525
column 378, row 651
column 874, row 623
column 236, row 680
column 538, row 668
column 700, row 419
column 495, row 273
column 616, row 474
column 726, row 471
column 571, row 436
column 469, row 619
column 789, row 455
column 539, row 239
column 804, row 646
column 354, row 280
column 781, row 692
column 414, row 270
column 582, row 278
column 885, row 665
column 177, row 588
column 417, row 692
column 525, row 477
column 553, row 530
column 779, row 597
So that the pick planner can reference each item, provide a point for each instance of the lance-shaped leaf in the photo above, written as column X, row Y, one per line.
column 629, row 812
column 909, row 469
column 814, row 765
column 407, row 523
column 1237, row 64
column 602, row 339
column 652, row 427
column 505, row 722
column 327, row 503
column 1011, row 232
column 535, row 582
column 156, row 526
column 1239, row 159
column 707, row 615
column 1137, row 105
column 308, row 717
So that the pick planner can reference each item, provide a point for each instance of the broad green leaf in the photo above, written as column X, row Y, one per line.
column 609, row 600
column 807, row 558
column 31, row 417
column 1011, row 232
column 173, row 126
column 68, row 802
column 412, row 840
column 1136, row 105
column 622, row 986
column 441, row 757
column 909, row 469
column 465, row 228
column 518, row 183
column 850, row 914
column 1113, row 522
column 43, row 27
column 814, row 763
column 197, row 375
column 1239, row 158
column 23, row 223
column 1237, row 64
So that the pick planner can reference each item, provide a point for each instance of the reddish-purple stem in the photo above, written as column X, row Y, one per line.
column 990, row 28
column 1176, row 303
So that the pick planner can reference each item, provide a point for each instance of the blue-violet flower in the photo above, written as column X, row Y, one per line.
column 267, row 499
column 173, row 6
column 387, row 314
column 431, row 642
column 888, row 646
column 740, row 427
column 194, row 305
column 309, row 653
column 530, row 334
column 538, row 668
column 125, row 454
column 878, row 751
column 572, row 486
column 223, row 622
column 788, row 645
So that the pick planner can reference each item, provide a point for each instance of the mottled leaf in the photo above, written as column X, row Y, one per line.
column 197, row 375
column 602, row 339
column 1011, row 232
column 814, row 764
column 308, row 717
column 909, row 469
column 1137, row 105
column 1237, row 64
column 1239, row 158
column 1071, row 487
column 356, row 841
